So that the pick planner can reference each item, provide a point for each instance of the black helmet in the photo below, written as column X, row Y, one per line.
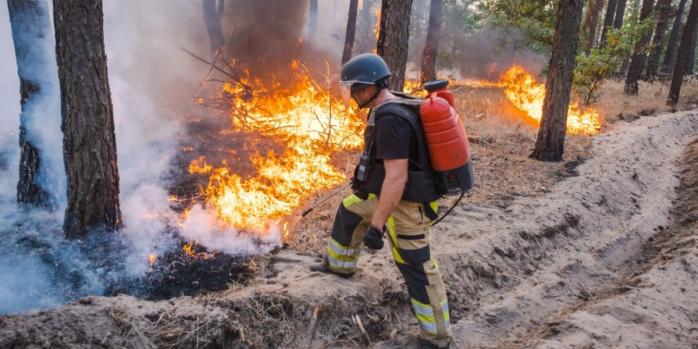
column 366, row 68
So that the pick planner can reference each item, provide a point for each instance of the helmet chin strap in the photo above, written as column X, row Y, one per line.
column 375, row 95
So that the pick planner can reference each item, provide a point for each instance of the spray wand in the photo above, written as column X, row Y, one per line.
column 306, row 212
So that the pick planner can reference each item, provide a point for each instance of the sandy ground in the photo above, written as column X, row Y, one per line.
column 604, row 257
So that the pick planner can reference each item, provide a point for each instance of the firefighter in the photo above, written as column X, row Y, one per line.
column 394, row 197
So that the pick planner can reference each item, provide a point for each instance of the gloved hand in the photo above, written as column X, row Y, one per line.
column 373, row 238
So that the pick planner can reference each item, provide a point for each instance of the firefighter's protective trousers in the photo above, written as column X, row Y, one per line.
column 408, row 235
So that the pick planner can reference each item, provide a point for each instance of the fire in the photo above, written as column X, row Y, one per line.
column 188, row 249
column 522, row 89
column 310, row 124
column 527, row 95
column 311, row 128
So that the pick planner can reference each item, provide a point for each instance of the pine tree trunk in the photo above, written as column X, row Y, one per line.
column 89, row 143
column 674, row 36
column 687, row 39
column 608, row 21
column 351, row 30
column 691, row 59
column 312, row 20
column 550, row 142
column 431, row 47
column 664, row 11
column 366, row 38
column 393, row 39
column 213, row 13
column 591, row 21
column 620, row 13
column 30, row 23
column 637, row 63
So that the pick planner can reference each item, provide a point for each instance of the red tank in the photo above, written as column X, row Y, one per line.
column 449, row 150
column 444, row 131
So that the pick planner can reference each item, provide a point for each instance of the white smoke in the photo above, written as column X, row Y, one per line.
column 202, row 226
column 152, row 80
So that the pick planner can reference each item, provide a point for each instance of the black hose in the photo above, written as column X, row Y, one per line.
column 449, row 210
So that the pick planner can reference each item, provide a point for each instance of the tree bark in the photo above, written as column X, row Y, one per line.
column 89, row 143
column 550, row 142
column 672, row 45
column 620, row 13
column 213, row 13
column 608, row 21
column 664, row 11
column 591, row 21
column 30, row 24
column 687, row 39
column 367, row 39
column 691, row 59
column 393, row 39
column 431, row 47
column 351, row 31
column 312, row 20
column 639, row 58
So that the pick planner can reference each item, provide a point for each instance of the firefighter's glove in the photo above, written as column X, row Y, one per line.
column 373, row 238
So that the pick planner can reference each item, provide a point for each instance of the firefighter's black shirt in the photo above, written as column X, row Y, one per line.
column 395, row 139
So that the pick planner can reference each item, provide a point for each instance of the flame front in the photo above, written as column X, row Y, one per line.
column 522, row 89
column 527, row 95
column 311, row 125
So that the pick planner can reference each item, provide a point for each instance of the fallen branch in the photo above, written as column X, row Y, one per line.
column 313, row 322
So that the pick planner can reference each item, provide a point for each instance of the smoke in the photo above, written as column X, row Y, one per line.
column 152, row 82
column 201, row 225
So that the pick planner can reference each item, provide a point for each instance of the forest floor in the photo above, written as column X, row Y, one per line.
column 597, row 251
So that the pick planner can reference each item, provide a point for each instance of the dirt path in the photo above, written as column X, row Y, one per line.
column 599, row 261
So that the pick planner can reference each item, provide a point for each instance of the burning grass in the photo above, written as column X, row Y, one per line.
column 303, row 145
column 308, row 124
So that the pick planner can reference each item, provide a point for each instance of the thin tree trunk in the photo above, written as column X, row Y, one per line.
column 312, row 20
column 687, row 39
column 618, row 22
column 393, row 38
column 620, row 14
column 591, row 21
column 664, row 9
column 30, row 24
column 550, row 142
column 672, row 45
column 691, row 59
column 608, row 21
column 351, row 31
column 213, row 13
column 89, row 143
column 637, row 63
column 431, row 47
column 365, row 38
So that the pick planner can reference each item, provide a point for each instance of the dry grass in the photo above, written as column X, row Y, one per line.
column 651, row 99
column 502, row 139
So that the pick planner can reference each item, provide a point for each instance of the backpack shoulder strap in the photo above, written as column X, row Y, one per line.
column 408, row 110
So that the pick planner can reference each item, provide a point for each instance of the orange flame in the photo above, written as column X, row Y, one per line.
column 522, row 89
column 527, row 95
column 311, row 125
column 188, row 249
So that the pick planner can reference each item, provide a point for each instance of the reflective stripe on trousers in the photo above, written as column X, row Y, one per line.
column 425, row 315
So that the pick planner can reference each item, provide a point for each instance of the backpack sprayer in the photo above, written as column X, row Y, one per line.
column 447, row 143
